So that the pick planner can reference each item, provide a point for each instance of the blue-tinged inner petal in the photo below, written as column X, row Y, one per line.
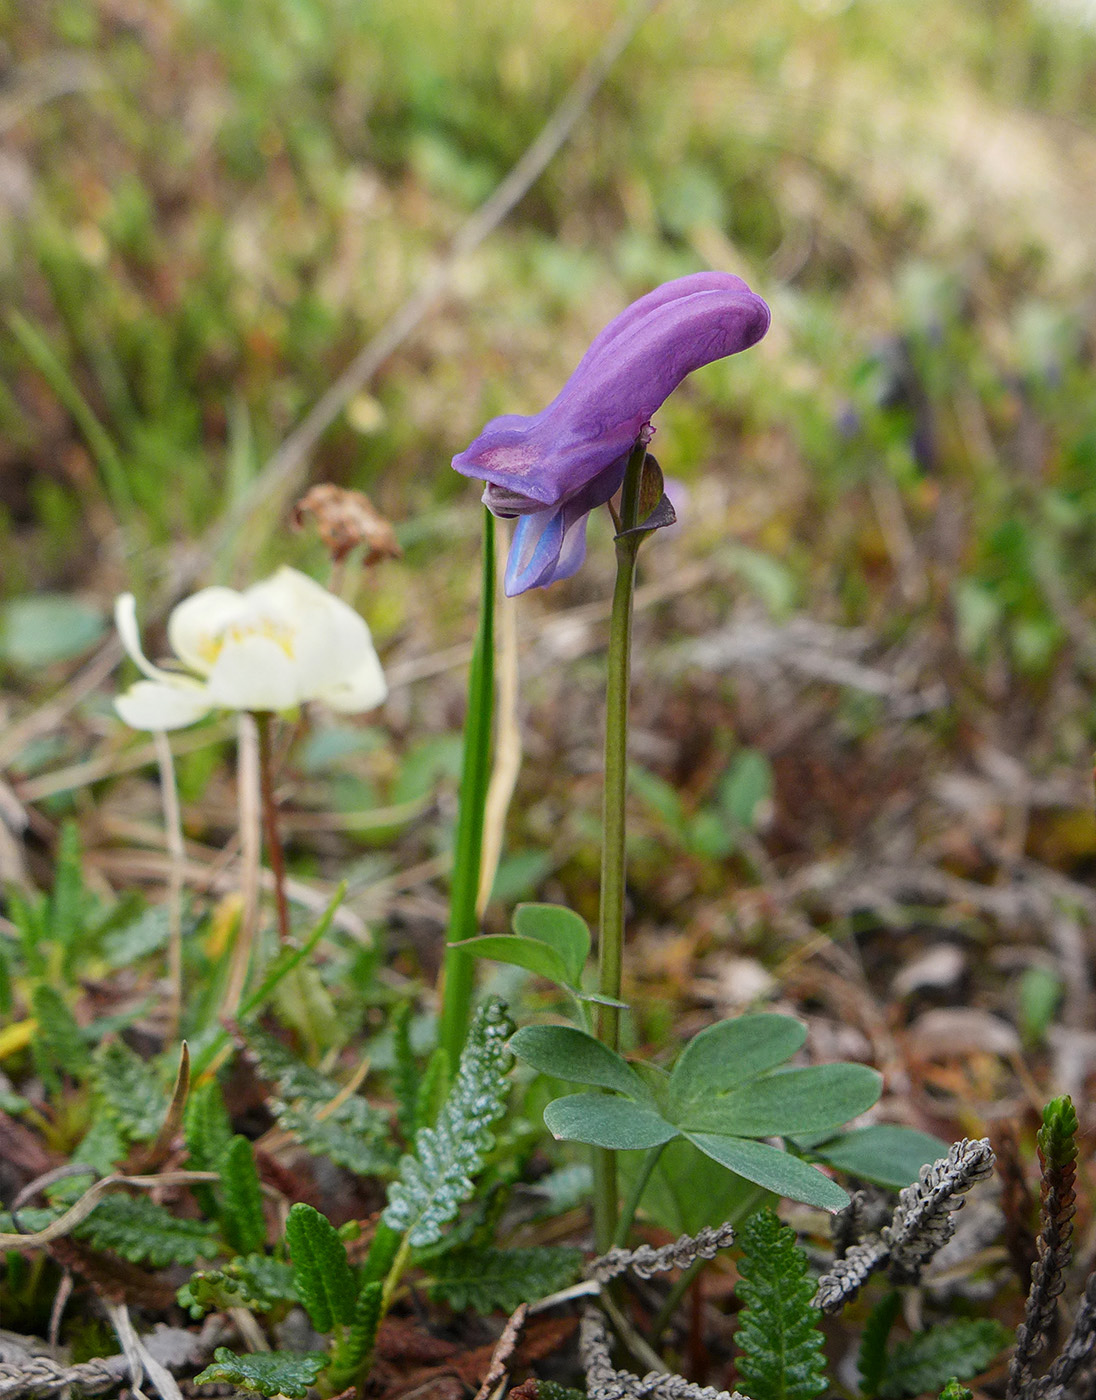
column 550, row 545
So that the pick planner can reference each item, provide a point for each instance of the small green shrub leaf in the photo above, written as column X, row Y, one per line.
column 242, row 1214
column 789, row 1101
column 146, row 1233
column 59, row 1043
column 255, row 1282
column 321, row 1272
column 604, row 1121
column 405, row 1072
column 206, row 1126
column 885, row 1153
column 356, row 1135
column 266, row 1372
column 356, row 1346
column 131, row 1090
column 928, row 1360
column 500, row 1279
column 730, row 1053
column 782, row 1346
column 559, row 928
column 568, row 1053
column 777, row 1171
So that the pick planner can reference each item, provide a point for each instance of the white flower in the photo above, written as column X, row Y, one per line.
column 271, row 647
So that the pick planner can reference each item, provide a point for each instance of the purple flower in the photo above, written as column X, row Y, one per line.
column 553, row 468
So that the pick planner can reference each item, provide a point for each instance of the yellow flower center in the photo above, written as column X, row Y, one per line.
column 211, row 645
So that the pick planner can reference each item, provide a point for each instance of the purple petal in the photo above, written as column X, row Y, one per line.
column 633, row 365
column 550, row 545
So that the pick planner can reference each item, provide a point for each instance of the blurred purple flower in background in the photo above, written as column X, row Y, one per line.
column 553, row 468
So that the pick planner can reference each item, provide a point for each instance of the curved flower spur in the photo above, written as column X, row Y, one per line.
column 553, row 468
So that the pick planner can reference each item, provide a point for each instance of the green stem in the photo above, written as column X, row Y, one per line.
column 611, row 926
column 635, row 1195
column 458, row 967
column 263, row 722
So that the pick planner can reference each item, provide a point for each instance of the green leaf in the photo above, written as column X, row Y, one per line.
column 321, row 1272
column 131, row 1090
column 255, row 1282
column 559, row 928
column 499, row 1279
column 405, row 1073
column 143, row 1232
column 688, row 1190
column 295, row 1079
column 929, row 1359
column 267, row 1372
column 954, row 1391
column 433, row 1089
column 355, row 1135
column 745, row 786
column 1040, row 995
column 66, row 906
column 731, row 1052
column 437, row 1179
column 568, row 1053
column 884, row 1153
column 42, row 628
column 382, row 1252
column 1057, row 1138
column 356, row 1347
column 471, row 805
column 59, row 1043
column 782, row 1345
column 242, row 1216
column 777, row 1171
column 207, row 1130
column 660, row 796
column 535, row 957
column 103, row 1145
column 873, row 1342
column 603, row 1121
column 789, row 1101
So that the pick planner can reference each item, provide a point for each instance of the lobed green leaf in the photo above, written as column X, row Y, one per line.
column 729, row 1053
column 776, row 1171
column 321, row 1273
column 242, row 1211
column 568, row 1053
column 778, row 1332
column 266, row 1372
column 146, row 1233
column 952, row 1350
column 604, row 1121
column 499, row 1279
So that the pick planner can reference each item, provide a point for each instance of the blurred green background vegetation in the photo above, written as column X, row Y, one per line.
column 208, row 206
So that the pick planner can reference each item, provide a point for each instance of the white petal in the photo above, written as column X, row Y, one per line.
column 125, row 619
column 253, row 673
column 287, row 596
column 194, row 628
column 163, row 705
column 328, row 640
column 364, row 689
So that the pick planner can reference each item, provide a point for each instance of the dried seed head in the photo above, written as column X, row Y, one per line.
column 346, row 519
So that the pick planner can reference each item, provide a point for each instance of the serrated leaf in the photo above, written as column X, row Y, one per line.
column 143, row 1232
column 929, row 1359
column 321, row 1273
column 885, row 1153
column 356, row 1347
column 207, row 1129
column 568, row 1053
column 535, row 957
column 355, row 1135
column 66, row 906
column 267, row 1372
column 255, row 1282
column 559, row 928
column 872, row 1360
column 130, row 1088
column 103, row 1145
column 788, row 1101
column 604, row 1121
column 433, row 1089
column 242, row 1211
column 499, row 1279
column 776, row 1171
column 782, row 1346
column 435, row 1181
column 729, row 1053
column 59, row 1043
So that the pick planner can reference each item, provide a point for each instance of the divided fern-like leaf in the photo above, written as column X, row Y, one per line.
column 129, row 1087
column 256, row 1282
column 873, row 1343
column 103, row 1145
column 67, row 901
column 435, row 1182
column 433, row 1089
column 321, row 1272
column 356, row 1346
column 355, row 1135
column 929, row 1359
column 242, row 1214
column 295, row 1079
column 267, row 1372
column 146, row 1233
column 500, row 1279
column 778, row 1329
